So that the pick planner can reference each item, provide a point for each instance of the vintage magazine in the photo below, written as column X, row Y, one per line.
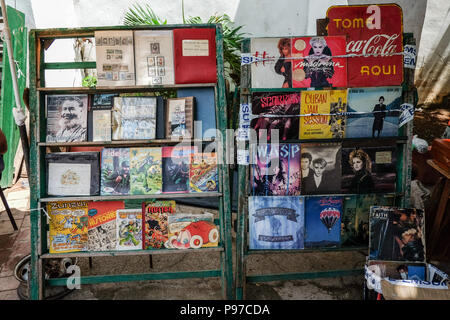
column 324, row 103
column 154, row 57
column 323, row 222
column 129, row 229
column 321, row 168
column 285, row 104
column 396, row 234
column 134, row 118
column 378, row 118
column 203, row 173
column 176, row 163
column 115, row 58
column 66, row 117
column 180, row 118
column 68, row 230
column 318, row 68
column 102, row 224
column 192, row 231
column 99, row 117
column 155, row 215
column 115, row 171
column 276, row 222
column 145, row 170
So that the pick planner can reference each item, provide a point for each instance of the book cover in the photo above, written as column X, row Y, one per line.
column 102, row 224
column 355, row 218
column 204, row 110
column 176, row 163
column 378, row 118
column 321, row 168
column 134, row 118
column 155, row 215
column 145, row 170
column 396, row 234
column 66, row 117
column 314, row 65
column 203, row 173
column 369, row 169
column 154, row 57
column 272, row 104
column 68, row 230
column 323, row 222
column 180, row 118
column 129, row 229
column 99, row 117
column 195, row 55
column 115, row 172
column 115, row 58
column 276, row 222
column 323, row 103
column 192, row 231
column 275, row 70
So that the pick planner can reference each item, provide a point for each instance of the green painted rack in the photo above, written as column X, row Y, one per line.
column 401, row 196
column 38, row 41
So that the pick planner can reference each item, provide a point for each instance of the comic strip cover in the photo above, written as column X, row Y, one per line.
column 145, row 170
column 155, row 215
column 129, row 229
column 115, row 174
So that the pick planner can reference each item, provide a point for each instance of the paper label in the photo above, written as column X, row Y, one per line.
column 383, row 157
column 101, row 120
column 67, row 179
column 195, row 48
column 409, row 59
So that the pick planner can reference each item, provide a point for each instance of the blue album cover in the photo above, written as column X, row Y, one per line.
column 323, row 221
column 276, row 222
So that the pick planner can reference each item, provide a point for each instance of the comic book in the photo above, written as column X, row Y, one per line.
column 129, row 229
column 369, row 167
column 271, row 104
column 355, row 218
column 324, row 103
column 396, row 234
column 276, row 222
column 377, row 118
column 145, row 170
column 203, row 173
column 176, row 163
column 155, row 215
column 102, row 224
column 68, row 230
column 192, row 231
column 323, row 222
column 314, row 66
column 115, row 172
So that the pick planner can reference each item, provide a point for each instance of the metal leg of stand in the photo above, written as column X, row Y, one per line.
column 151, row 261
column 90, row 262
column 8, row 210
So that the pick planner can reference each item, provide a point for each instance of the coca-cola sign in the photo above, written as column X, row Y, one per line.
column 375, row 36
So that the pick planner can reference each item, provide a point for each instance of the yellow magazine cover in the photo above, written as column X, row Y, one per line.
column 68, row 226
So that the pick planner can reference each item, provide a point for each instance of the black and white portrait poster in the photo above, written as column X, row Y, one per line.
column 66, row 118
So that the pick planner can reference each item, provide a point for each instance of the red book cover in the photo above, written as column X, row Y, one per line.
column 373, row 30
column 195, row 55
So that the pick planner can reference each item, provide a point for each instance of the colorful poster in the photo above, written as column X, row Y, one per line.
column 129, row 229
column 115, row 172
column 145, row 170
column 374, row 30
column 378, row 118
column 102, row 224
column 155, row 215
column 276, row 222
column 319, row 66
column 323, row 222
column 323, row 103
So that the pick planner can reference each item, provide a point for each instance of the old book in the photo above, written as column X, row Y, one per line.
column 102, row 224
column 68, row 231
column 276, row 222
column 323, row 222
column 115, row 171
column 323, row 103
column 115, row 58
column 145, row 170
column 66, row 117
column 129, row 229
column 154, row 57
column 180, row 118
column 203, row 173
column 377, row 117
column 176, row 164
column 155, row 215
column 99, row 117
column 134, row 118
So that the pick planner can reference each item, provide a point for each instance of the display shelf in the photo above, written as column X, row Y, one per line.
column 123, row 143
column 127, row 89
column 309, row 250
column 129, row 197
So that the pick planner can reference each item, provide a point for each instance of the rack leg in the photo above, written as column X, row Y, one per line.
column 8, row 210
column 151, row 261
column 90, row 262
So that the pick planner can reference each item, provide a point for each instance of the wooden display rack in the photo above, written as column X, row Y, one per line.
column 38, row 42
column 402, row 194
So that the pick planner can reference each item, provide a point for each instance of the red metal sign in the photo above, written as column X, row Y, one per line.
column 373, row 30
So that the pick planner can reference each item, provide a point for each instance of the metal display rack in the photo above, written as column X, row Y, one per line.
column 39, row 41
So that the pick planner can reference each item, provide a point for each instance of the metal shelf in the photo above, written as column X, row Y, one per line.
column 123, row 143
